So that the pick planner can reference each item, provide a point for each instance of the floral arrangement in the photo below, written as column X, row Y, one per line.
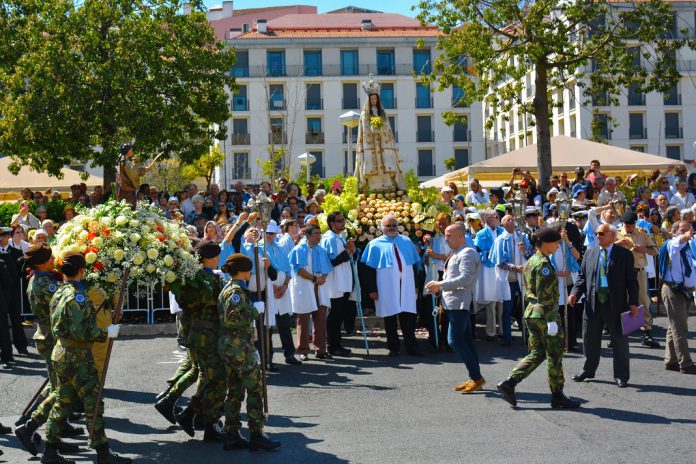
column 376, row 122
column 113, row 235
column 346, row 203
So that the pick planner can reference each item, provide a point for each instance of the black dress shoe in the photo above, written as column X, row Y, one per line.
column 324, row 356
column 340, row 351
column 23, row 351
column 672, row 367
column 691, row 370
column 621, row 383
column 293, row 360
column 648, row 341
column 582, row 376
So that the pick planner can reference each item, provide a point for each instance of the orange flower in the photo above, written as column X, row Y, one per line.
column 91, row 236
column 105, row 231
column 161, row 237
column 94, row 227
column 98, row 266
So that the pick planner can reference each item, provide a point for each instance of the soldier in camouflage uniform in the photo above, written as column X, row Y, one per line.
column 74, row 327
column 543, row 320
column 42, row 285
column 237, row 316
column 199, row 299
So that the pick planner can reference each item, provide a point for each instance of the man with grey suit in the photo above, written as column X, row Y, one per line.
column 457, row 286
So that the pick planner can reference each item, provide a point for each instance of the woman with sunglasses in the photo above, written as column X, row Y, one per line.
column 662, row 188
column 223, row 215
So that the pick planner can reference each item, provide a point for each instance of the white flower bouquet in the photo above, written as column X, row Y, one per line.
column 112, row 236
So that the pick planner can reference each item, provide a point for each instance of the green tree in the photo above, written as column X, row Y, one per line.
column 450, row 164
column 80, row 78
column 489, row 47
column 169, row 175
column 205, row 166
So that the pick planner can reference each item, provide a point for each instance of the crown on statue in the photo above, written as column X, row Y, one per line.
column 371, row 86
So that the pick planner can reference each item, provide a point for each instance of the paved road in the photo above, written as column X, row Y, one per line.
column 375, row 409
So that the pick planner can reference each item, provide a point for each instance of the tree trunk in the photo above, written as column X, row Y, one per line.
column 109, row 177
column 541, row 113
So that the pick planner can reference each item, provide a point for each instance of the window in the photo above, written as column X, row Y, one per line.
column 638, row 148
column 350, row 97
column 636, row 126
column 314, row 100
column 275, row 63
column 673, row 97
column 425, row 129
column 457, row 97
column 314, row 133
column 460, row 130
column 241, row 65
column 597, row 25
column 354, row 131
column 276, row 97
column 349, row 62
column 277, row 135
column 674, row 152
column 635, row 53
column 348, row 163
column 317, row 167
column 673, row 129
column 602, row 121
column 461, row 158
column 423, row 98
column 240, row 131
column 421, row 61
column 386, row 95
column 600, row 99
column 385, row 62
column 573, row 125
column 392, row 124
column 425, row 163
column 241, row 166
column 312, row 63
column 635, row 96
column 239, row 99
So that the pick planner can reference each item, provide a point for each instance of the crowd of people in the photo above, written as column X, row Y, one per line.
column 545, row 275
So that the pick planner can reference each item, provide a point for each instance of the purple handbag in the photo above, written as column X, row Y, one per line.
column 631, row 324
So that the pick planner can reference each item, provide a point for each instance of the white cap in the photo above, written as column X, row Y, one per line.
column 272, row 227
column 446, row 188
column 531, row 210
column 40, row 232
column 554, row 190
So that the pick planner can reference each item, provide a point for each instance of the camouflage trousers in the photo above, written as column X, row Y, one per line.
column 210, row 394
column 40, row 416
column 78, row 380
column 185, row 376
column 243, row 376
column 542, row 347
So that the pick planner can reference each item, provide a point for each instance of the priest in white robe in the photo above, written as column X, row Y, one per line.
column 309, row 293
column 339, row 282
column 391, row 284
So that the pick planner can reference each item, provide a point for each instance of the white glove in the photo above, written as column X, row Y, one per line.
column 260, row 307
column 112, row 331
column 552, row 328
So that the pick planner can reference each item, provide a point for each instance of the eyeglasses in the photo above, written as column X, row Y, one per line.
column 390, row 225
column 600, row 234
column 340, row 220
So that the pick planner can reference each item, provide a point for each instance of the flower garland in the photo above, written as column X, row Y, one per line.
column 113, row 235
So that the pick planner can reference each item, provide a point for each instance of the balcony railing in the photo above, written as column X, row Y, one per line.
column 354, row 139
column 425, row 136
column 314, row 138
column 636, row 99
column 241, row 139
column 314, row 104
column 276, row 104
column 673, row 99
column 638, row 133
column 674, row 132
column 278, row 138
column 241, row 172
column 331, row 70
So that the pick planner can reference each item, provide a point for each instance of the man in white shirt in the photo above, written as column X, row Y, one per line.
column 682, row 199
column 187, row 205
column 477, row 196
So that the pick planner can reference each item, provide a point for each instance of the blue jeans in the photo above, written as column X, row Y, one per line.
column 459, row 337
column 507, row 310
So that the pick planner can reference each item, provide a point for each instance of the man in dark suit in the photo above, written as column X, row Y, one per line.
column 10, row 281
column 607, row 266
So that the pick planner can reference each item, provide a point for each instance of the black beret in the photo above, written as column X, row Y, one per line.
column 207, row 249
column 629, row 217
column 37, row 254
column 237, row 262
column 547, row 235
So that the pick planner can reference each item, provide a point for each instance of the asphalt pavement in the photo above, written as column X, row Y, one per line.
column 378, row 409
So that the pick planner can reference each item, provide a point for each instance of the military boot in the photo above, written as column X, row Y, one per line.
column 214, row 434
column 165, row 406
column 70, row 431
column 235, row 440
column 106, row 456
column 260, row 440
column 185, row 420
column 164, row 393
column 51, row 456
column 507, row 389
column 559, row 400
column 67, row 448
column 25, row 434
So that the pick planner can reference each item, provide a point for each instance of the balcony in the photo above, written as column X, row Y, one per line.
column 276, row 104
column 674, row 132
column 673, row 99
column 314, row 104
column 331, row 70
column 636, row 99
column 242, row 71
column 638, row 133
column 241, row 172
column 424, row 102
column 425, row 136
column 314, row 138
column 278, row 138
column 241, row 139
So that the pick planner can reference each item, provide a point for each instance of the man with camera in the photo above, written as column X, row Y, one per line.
column 679, row 279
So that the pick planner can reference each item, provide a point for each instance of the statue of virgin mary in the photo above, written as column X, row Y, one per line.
column 377, row 162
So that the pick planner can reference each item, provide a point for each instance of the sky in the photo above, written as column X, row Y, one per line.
column 386, row 6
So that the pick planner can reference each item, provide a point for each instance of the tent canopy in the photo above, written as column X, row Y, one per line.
column 40, row 180
column 567, row 153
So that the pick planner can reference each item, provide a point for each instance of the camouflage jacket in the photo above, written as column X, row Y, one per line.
column 198, row 299
column 42, row 286
column 237, row 316
column 72, row 315
column 541, row 287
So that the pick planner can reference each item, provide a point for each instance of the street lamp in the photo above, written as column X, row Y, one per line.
column 306, row 159
column 350, row 120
